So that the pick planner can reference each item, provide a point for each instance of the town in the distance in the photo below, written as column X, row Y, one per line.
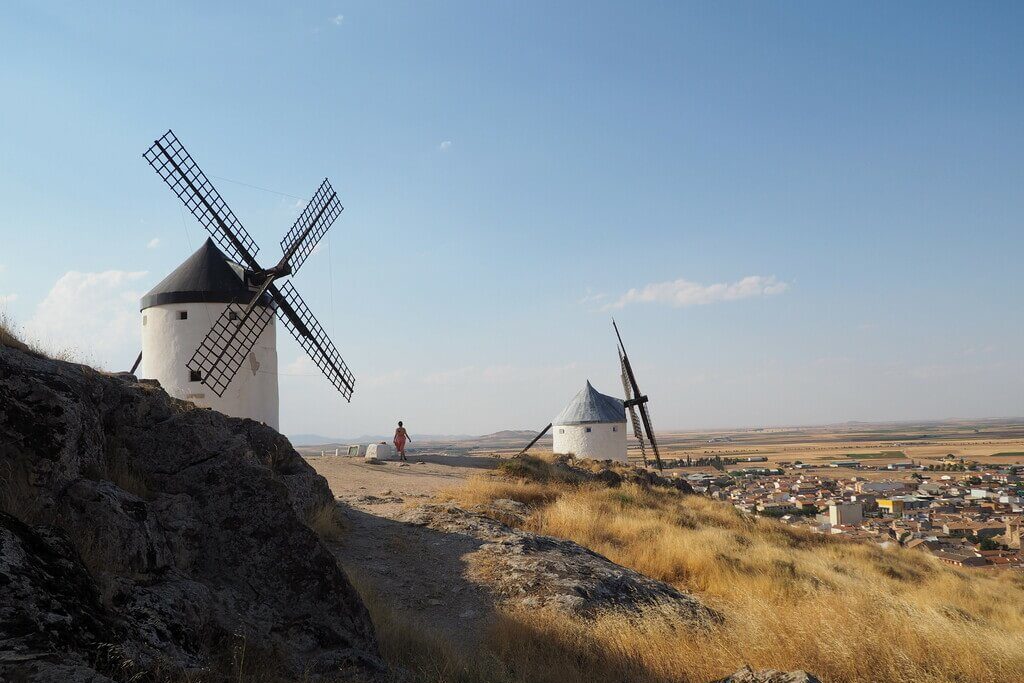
column 953, row 489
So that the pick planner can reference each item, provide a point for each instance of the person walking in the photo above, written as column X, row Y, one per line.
column 401, row 436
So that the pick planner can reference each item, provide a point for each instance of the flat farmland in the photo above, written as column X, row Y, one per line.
column 985, row 441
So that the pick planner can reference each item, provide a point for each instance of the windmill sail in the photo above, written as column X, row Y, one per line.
column 311, row 225
column 182, row 174
column 636, row 399
column 228, row 343
column 634, row 419
column 535, row 440
column 303, row 325
column 645, row 417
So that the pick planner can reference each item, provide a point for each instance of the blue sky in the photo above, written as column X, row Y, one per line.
column 817, row 208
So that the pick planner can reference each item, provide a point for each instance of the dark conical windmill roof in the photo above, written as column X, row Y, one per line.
column 590, row 405
column 205, row 276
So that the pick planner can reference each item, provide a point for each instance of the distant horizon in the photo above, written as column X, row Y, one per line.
column 923, row 421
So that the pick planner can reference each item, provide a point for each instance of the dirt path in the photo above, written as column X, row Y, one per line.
column 353, row 480
column 418, row 572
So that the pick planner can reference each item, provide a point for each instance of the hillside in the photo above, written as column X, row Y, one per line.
column 847, row 611
column 449, row 605
column 142, row 537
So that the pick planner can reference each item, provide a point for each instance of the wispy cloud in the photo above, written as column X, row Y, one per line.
column 302, row 366
column 450, row 376
column 383, row 380
column 96, row 314
column 445, row 145
column 153, row 243
column 592, row 297
column 338, row 19
column 682, row 293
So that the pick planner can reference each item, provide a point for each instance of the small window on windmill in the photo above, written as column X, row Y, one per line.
column 561, row 431
column 614, row 428
column 182, row 315
column 145, row 319
column 588, row 429
column 195, row 375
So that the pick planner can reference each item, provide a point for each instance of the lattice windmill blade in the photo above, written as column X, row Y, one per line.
column 625, row 379
column 228, row 343
column 635, row 398
column 303, row 325
column 182, row 174
column 637, row 432
column 645, row 417
column 312, row 224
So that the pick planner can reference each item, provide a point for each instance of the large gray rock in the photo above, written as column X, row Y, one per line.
column 52, row 624
column 748, row 675
column 188, row 525
column 531, row 570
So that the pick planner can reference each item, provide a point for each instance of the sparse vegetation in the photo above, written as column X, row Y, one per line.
column 327, row 523
column 539, row 470
column 10, row 336
column 120, row 470
column 418, row 649
column 791, row 599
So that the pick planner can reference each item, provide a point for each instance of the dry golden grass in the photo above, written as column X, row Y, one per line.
column 791, row 600
column 415, row 648
column 327, row 523
column 8, row 336
column 482, row 490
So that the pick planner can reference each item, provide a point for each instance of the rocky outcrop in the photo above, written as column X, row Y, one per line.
column 50, row 608
column 529, row 570
column 157, row 534
column 748, row 675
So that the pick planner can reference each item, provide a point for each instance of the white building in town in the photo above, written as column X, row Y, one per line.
column 177, row 314
column 593, row 426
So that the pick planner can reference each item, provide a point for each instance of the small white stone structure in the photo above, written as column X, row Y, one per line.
column 177, row 314
column 380, row 451
column 357, row 450
column 593, row 426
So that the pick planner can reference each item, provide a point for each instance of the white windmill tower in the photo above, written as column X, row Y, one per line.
column 177, row 315
column 215, row 312
column 593, row 426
